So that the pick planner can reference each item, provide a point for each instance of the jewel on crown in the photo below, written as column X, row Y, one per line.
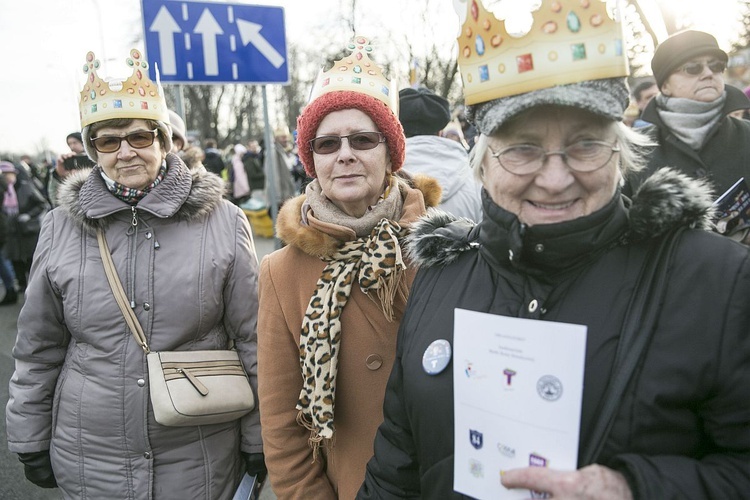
column 538, row 44
column 357, row 73
column 134, row 97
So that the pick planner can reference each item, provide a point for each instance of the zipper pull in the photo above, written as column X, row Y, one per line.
column 194, row 380
column 134, row 222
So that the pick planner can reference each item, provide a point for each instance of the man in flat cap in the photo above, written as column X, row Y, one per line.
column 691, row 114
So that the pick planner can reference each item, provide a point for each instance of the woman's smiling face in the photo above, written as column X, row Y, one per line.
column 555, row 192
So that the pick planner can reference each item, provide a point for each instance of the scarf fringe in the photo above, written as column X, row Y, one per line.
column 388, row 286
column 315, row 441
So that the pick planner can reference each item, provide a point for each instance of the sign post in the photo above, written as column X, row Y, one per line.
column 207, row 42
column 218, row 43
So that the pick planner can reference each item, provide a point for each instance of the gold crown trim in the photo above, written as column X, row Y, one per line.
column 569, row 41
column 134, row 97
column 357, row 73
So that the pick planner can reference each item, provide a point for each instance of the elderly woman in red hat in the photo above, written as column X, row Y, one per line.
column 332, row 298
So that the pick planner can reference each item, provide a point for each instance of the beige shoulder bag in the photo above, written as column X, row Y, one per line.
column 187, row 387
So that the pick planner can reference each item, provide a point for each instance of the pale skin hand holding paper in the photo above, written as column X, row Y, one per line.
column 591, row 482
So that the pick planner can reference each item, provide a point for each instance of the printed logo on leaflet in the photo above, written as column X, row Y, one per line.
column 476, row 439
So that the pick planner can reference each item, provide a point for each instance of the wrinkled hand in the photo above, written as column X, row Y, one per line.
column 591, row 482
column 255, row 465
column 38, row 468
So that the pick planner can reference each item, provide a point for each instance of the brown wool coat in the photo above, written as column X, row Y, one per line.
column 287, row 280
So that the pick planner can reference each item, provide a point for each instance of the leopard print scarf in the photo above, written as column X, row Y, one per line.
column 376, row 263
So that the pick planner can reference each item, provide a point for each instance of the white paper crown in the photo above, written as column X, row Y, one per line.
column 569, row 41
column 357, row 73
column 134, row 97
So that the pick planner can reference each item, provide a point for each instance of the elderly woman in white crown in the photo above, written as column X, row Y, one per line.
column 332, row 298
column 79, row 415
column 666, row 384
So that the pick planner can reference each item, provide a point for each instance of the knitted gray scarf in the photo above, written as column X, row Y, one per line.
column 690, row 121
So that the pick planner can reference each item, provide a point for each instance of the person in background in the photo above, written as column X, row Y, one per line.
column 240, row 183
column 690, row 115
column 467, row 128
column 10, row 206
column 189, row 153
column 332, row 298
column 253, row 163
column 25, row 206
column 79, row 414
column 212, row 159
column 642, row 95
column 423, row 115
column 75, row 159
column 559, row 243
column 285, row 160
column 453, row 132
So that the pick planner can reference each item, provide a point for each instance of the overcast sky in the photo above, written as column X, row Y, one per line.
column 45, row 43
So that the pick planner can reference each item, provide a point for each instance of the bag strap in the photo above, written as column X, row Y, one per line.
column 636, row 332
column 120, row 296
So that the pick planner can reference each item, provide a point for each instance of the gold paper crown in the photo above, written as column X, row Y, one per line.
column 357, row 73
column 569, row 41
column 135, row 97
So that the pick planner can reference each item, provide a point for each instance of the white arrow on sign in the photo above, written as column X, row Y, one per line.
column 250, row 33
column 208, row 28
column 165, row 25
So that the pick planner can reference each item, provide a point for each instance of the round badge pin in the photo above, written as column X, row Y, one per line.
column 436, row 357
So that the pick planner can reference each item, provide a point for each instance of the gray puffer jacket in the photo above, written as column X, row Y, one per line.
column 186, row 260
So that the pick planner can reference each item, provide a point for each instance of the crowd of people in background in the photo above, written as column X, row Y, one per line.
column 395, row 210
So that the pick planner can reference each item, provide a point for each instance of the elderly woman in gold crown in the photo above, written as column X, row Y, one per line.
column 80, row 416
column 332, row 298
column 640, row 389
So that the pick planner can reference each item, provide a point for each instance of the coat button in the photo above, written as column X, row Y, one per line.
column 539, row 248
column 141, row 382
column 374, row 361
column 147, row 455
column 533, row 305
column 146, row 306
column 148, row 236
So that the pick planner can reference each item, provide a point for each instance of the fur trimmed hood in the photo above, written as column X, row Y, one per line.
column 291, row 231
column 666, row 200
column 183, row 194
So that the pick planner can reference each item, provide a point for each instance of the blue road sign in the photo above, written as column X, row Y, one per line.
column 199, row 42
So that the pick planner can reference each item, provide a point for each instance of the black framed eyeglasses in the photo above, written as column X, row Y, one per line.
column 695, row 68
column 111, row 143
column 581, row 156
column 362, row 141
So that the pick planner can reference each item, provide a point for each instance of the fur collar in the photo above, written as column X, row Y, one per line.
column 666, row 200
column 183, row 194
column 312, row 241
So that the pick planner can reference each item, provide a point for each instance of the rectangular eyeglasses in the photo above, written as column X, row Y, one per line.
column 327, row 144
column 695, row 68
column 111, row 143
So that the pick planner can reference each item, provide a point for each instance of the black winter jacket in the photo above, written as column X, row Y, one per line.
column 682, row 429
column 724, row 158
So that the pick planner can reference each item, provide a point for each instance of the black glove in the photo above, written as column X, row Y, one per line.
column 38, row 468
column 255, row 465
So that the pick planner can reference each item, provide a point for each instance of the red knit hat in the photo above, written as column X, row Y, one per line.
column 387, row 123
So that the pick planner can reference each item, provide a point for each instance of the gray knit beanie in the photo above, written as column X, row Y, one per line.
column 608, row 97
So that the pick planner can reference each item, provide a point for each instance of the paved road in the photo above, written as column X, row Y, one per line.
column 13, row 485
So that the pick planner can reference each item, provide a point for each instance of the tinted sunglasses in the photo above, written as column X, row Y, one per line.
column 327, row 144
column 695, row 68
column 111, row 143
